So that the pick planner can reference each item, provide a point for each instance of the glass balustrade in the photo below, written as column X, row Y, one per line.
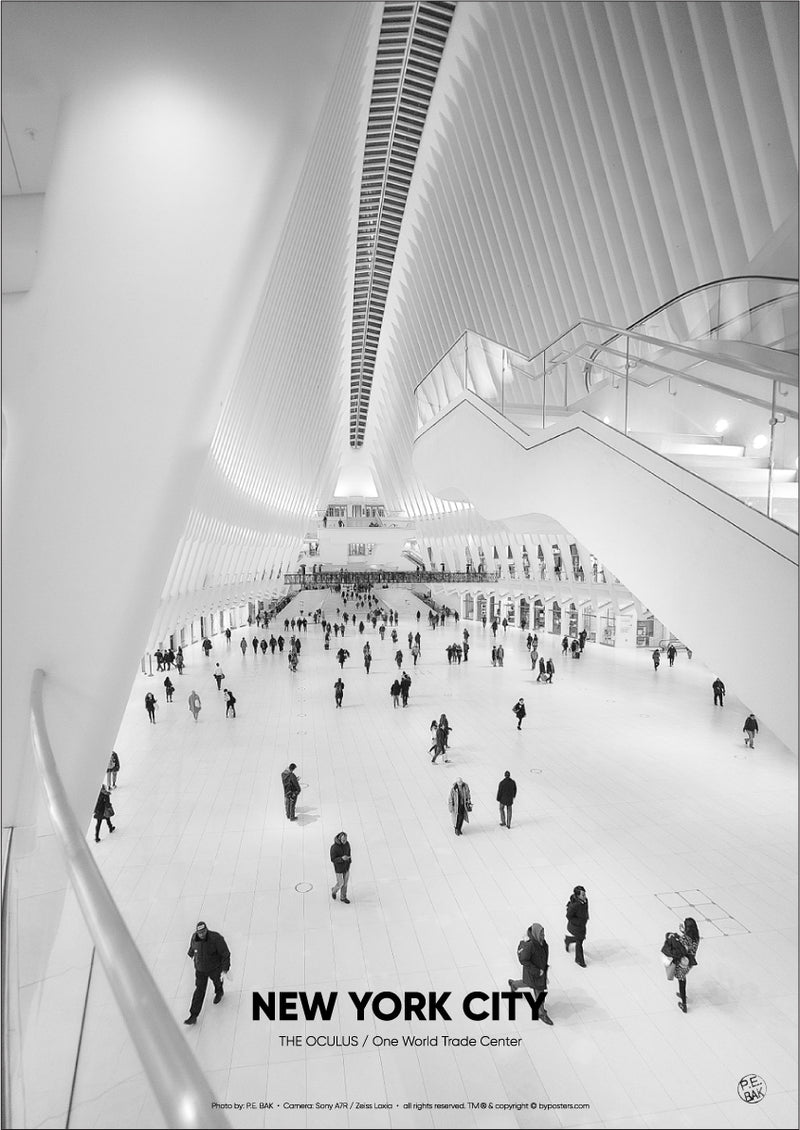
column 708, row 381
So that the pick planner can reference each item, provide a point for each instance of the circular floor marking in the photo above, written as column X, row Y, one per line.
column 303, row 888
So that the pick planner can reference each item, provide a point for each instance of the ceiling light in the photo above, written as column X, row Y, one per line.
column 721, row 426
column 606, row 420
column 759, row 442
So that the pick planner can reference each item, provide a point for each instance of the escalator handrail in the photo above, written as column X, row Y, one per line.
column 173, row 1074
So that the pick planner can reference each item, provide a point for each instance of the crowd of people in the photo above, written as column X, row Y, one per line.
column 357, row 611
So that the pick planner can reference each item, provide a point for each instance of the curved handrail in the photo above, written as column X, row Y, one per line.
column 177, row 1082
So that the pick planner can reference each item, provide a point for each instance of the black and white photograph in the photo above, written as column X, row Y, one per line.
column 399, row 564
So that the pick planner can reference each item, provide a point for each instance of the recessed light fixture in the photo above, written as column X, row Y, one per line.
column 721, row 426
column 606, row 420
column 759, row 442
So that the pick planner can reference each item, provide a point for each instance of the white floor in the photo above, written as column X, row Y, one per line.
column 630, row 783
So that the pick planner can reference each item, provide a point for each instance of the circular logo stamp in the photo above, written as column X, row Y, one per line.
column 751, row 1088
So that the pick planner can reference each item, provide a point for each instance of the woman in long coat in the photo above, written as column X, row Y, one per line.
column 533, row 954
column 460, row 804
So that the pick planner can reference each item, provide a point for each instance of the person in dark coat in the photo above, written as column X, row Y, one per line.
column 338, row 692
column 150, row 705
column 195, row 705
column 394, row 691
column 207, row 645
column 750, row 729
column 405, row 687
column 230, row 704
column 212, row 958
column 672, row 653
column 291, row 790
column 656, row 658
column 103, row 810
column 341, row 859
column 533, row 954
column 577, row 917
column 520, row 711
column 690, row 940
column 718, row 687
column 243, row 646
column 506, row 791
column 169, row 688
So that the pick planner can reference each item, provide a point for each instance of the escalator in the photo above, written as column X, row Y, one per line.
column 720, row 572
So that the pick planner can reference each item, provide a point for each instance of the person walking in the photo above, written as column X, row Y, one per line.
column 398, row 658
column 180, row 662
column 243, row 646
column 394, row 691
column 341, row 859
column 679, row 950
column 291, row 790
column 533, row 954
column 219, row 675
column 212, row 959
column 534, row 658
column 494, row 657
column 169, row 688
column 672, row 652
column 564, row 645
column 577, row 917
column 750, row 729
column 206, row 645
column 718, row 687
column 550, row 668
column 405, row 687
column 656, row 658
column 103, row 810
column 506, row 791
column 151, row 706
column 112, row 770
column 341, row 655
column 501, row 654
column 520, row 711
column 230, row 704
column 195, row 705
column 460, row 805
column 338, row 692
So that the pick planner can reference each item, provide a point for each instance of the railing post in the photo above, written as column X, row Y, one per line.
column 772, row 422
column 627, row 370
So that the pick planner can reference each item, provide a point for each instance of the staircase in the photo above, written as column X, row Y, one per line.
column 729, row 467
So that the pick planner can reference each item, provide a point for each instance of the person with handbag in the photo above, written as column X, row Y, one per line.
column 533, row 954
column 103, row 810
column 460, row 805
column 679, row 951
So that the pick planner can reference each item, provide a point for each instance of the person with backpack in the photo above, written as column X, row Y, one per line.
column 520, row 711
column 533, row 954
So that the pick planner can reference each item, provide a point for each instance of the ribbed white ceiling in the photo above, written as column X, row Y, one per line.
column 412, row 38
column 582, row 159
column 577, row 159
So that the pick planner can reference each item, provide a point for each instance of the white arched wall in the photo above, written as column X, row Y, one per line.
column 168, row 181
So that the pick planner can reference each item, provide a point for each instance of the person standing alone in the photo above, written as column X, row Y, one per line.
column 506, row 791
column 460, row 805
column 718, row 687
column 291, row 790
column 520, row 711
